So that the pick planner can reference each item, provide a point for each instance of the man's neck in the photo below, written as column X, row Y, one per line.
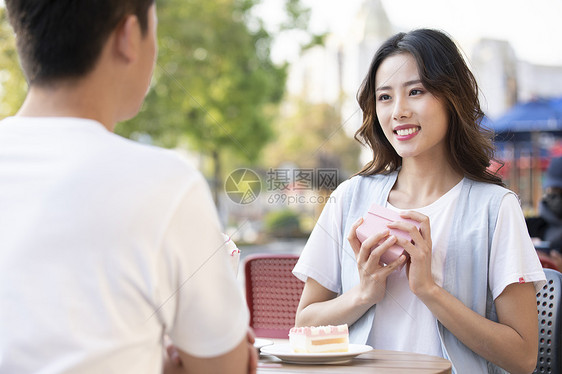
column 66, row 100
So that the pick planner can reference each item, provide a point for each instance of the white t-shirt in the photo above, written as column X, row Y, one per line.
column 105, row 246
column 402, row 322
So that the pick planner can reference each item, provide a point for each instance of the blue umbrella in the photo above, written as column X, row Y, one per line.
column 537, row 115
column 557, row 105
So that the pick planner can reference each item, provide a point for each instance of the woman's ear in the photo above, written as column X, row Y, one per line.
column 127, row 39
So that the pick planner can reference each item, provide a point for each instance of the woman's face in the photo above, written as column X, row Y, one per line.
column 413, row 120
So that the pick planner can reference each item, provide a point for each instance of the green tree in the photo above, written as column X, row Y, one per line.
column 283, row 223
column 215, row 87
column 13, row 86
column 313, row 136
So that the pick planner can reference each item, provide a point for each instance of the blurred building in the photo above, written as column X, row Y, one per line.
column 536, row 81
column 505, row 80
column 494, row 65
column 333, row 73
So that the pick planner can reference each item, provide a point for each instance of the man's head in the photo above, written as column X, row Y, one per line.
column 60, row 40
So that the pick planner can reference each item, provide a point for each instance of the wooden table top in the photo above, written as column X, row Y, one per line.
column 376, row 361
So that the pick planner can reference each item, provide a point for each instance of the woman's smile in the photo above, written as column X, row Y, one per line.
column 406, row 132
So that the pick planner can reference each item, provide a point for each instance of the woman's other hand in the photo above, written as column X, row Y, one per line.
column 419, row 248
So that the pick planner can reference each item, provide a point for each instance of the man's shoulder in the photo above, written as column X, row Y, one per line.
column 148, row 160
column 146, row 153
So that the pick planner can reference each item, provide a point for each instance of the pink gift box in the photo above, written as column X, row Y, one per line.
column 375, row 222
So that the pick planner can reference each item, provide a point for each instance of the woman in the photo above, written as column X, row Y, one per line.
column 467, row 292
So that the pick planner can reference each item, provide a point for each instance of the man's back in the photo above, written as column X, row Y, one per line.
column 93, row 262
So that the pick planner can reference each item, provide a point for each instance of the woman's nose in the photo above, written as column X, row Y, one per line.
column 401, row 109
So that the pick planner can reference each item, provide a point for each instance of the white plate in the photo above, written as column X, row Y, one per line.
column 285, row 353
column 260, row 343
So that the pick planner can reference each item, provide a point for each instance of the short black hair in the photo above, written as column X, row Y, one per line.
column 63, row 39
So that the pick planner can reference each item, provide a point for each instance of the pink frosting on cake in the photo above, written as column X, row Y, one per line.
column 320, row 330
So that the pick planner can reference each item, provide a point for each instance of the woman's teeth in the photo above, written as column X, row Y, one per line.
column 405, row 132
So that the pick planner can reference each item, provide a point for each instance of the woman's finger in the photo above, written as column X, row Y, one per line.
column 378, row 242
column 383, row 244
column 408, row 228
column 424, row 230
column 352, row 237
column 395, row 264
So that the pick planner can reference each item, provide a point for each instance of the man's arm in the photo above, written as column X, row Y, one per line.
column 242, row 359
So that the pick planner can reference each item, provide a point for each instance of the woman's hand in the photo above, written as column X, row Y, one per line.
column 418, row 268
column 372, row 273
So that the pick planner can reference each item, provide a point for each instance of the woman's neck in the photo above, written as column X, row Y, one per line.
column 421, row 183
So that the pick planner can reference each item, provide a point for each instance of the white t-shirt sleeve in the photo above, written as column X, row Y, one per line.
column 513, row 258
column 320, row 258
column 207, row 312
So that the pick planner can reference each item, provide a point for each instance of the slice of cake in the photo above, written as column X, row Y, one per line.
column 319, row 339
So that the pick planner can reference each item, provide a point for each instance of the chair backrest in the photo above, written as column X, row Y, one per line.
column 272, row 293
column 549, row 306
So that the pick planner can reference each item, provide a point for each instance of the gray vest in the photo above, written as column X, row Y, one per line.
column 466, row 263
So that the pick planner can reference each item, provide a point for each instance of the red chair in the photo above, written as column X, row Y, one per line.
column 272, row 293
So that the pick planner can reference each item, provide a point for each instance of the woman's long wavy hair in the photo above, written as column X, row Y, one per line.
column 444, row 73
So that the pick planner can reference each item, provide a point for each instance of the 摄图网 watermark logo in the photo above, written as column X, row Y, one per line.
column 243, row 186
column 284, row 185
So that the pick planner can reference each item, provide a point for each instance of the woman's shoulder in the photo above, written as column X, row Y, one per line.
column 486, row 187
column 360, row 181
column 364, row 189
column 489, row 194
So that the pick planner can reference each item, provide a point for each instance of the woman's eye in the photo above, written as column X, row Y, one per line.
column 384, row 97
column 415, row 92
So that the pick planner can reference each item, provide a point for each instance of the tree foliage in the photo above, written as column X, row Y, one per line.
column 215, row 86
column 13, row 86
column 312, row 135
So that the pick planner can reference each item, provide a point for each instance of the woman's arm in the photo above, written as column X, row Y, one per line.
column 511, row 343
column 320, row 306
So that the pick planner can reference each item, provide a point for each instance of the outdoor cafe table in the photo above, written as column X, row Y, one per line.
column 376, row 361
